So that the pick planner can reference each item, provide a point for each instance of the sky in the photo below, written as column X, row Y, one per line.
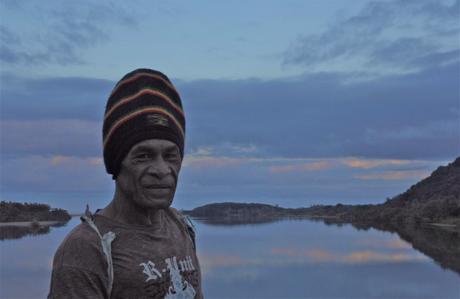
column 287, row 102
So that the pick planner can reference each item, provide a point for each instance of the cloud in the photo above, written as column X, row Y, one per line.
column 313, row 166
column 28, row 99
column 410, row 116
column 69, row 160
column 56, row 32
column 215, row 179
column 404, row 117
column 393, row 175
column 54, row 174
column 369, row 163
column 56, row 160
column 385, row 37
column 207, row 162
column 48, row 137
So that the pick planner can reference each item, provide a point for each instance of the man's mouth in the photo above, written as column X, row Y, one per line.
column 158, row 186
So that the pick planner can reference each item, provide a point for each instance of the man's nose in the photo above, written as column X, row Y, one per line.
column 159, row 168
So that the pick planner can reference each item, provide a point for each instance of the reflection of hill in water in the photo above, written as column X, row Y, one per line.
column 440, row 244
column 235, row 220
column 443, row 245
column 17, row 232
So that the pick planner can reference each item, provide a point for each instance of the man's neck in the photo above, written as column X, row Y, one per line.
column 123, row 209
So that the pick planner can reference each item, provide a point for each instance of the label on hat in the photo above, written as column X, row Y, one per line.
column 155, row 119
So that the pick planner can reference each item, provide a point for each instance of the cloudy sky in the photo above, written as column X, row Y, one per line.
column 287, row 102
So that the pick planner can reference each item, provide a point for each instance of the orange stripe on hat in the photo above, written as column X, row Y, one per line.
column 137, row 76
column 139, row 112
column 140, row 93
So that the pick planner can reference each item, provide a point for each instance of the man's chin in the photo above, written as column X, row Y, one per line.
column 158, row 203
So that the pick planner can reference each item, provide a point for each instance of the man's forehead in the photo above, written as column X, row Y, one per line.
column 155, row 144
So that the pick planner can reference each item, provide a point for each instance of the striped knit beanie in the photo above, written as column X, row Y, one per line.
column 143, row 105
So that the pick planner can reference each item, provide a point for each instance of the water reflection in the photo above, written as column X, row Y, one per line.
column 281, row 259
column 307, row 259
column 442, row 244
column 235, row 221
column 11, row 232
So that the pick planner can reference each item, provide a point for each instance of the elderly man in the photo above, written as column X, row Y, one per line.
column 137, row 246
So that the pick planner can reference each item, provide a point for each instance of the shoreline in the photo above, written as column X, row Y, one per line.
column 29, row 223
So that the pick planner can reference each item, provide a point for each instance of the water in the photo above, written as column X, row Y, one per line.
column 286, row 259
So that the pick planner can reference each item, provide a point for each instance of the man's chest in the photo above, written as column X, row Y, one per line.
column 149, row 268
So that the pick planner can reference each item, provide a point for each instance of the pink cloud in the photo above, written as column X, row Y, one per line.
column 393, row 175
column 60, row 160
column 366, row 164
column 210, row 162
column 302, row 167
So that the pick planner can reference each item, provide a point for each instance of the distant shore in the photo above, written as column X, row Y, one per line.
column 16, row 212
column 434, row 200
column 29, row 223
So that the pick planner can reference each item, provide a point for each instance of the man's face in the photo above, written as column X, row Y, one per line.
column 148, row 174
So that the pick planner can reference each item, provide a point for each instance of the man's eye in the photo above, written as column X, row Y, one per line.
column 142, row 157
column 171, row 156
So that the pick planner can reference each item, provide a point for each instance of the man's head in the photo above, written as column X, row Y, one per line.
column 148, row 173
column 143, row 105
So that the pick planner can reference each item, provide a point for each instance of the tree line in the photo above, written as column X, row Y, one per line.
column 16, row 212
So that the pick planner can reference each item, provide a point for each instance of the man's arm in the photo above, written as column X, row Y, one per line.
column 72, row 282
column 79, row 266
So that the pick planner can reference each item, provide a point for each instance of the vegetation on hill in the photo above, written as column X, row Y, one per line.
column 434, row 199
column 16, row 212
column 235, row 209
column 229, row 213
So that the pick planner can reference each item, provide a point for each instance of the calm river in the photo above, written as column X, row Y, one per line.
column 286, row 259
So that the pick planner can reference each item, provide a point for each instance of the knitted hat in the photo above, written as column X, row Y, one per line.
column 143, row 105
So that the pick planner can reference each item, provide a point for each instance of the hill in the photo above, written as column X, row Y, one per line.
column 18, row 212
column 435, row 199
column 239, row 213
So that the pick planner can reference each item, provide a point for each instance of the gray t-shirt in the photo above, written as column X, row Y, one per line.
column 148, row 262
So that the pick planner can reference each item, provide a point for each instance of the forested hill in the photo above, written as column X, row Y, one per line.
column 232, row 212
column 442, row 185
column 17, row 212
column 434, row 199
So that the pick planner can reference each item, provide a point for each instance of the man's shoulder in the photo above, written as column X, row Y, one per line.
column 79, row 266
column 182, row 218
column 80, row 235
column 81, row 248
column 185, row 222
column 175, row 212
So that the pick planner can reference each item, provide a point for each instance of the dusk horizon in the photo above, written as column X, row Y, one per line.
column 290, row 105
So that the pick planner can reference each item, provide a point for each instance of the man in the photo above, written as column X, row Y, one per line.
column 137, row 246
